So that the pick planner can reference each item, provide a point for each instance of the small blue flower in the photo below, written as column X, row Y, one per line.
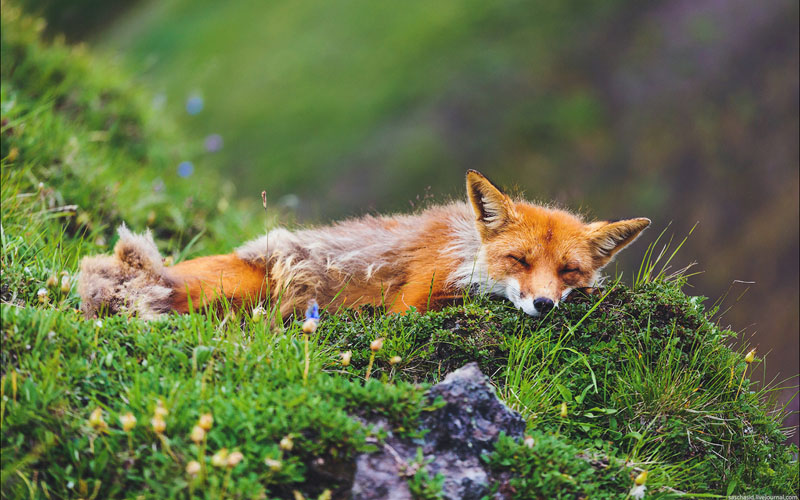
column 185, row 169
column 194, row 104
column 313, row 310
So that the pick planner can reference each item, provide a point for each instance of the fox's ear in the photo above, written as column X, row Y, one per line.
column 493, row 209
column 608, row 238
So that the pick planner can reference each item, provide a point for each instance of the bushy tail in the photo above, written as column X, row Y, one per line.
column 133, row 280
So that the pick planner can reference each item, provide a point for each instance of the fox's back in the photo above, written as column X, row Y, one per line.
column 362, row 260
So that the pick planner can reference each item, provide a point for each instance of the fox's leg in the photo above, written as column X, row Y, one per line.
column 424, row 291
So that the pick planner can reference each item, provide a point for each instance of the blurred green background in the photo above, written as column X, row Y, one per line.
column 682, row 111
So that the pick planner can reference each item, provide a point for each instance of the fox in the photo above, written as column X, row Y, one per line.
column 531, row 255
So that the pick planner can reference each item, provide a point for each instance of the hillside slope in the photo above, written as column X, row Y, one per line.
column 612, row 383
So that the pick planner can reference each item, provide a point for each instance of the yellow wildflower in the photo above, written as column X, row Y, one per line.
column 198, row 434
column 220, row 458
column 128, row 421
column 205, row 421
column 193, row 468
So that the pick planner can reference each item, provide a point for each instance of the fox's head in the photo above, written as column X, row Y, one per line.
column 538, row 255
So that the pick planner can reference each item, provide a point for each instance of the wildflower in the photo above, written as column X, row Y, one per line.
column 639, row 488
column 220, row 458
column 312, row 318
column 65, row 284
column 749, row 357
column 169, row 260
column 564, row 409
column 213, row 143
column 346, row 358
column 637, row 492
column 313, row 310
column 258, row 313
column 205, row 421
column 128, row 421
column 234, row 458
column 185, row 169
column 374, row 346
column 194, row 104
column 96, row 419
column 273, row 464
column 309, row 326
column 51, row 281
column 160, row 411
column 43, row 295
column 198, row 434
column 394, row 360
column 193, row 468
column 529, row 442
column 286, row 443
column 98, row 324
column 159, row 425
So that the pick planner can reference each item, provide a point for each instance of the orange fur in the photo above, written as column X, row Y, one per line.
column 201, row 281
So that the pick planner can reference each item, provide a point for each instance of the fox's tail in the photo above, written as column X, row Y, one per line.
column 134, row 280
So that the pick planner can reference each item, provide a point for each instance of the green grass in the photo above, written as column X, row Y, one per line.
column 646, row 375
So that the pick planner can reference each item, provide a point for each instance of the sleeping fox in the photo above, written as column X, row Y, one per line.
column 531, row 255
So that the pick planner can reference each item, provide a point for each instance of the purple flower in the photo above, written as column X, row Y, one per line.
column 185, row 169
column 213, row 143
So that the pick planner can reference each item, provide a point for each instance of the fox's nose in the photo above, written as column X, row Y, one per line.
column 543, row 305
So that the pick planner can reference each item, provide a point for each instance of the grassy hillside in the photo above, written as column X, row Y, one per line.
column 678, row 111
column 644, row 373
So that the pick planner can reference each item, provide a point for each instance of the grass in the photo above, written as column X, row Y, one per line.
column 646, row 375
column 359, row 75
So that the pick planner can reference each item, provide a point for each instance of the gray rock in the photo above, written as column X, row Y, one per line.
column 458, row 433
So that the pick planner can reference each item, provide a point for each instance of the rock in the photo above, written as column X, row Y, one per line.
column 458, row 434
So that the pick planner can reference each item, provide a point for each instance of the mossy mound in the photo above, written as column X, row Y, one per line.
column 645, row 374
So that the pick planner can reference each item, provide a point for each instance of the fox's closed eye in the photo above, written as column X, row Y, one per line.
column 518, row 259
column 568, row 270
